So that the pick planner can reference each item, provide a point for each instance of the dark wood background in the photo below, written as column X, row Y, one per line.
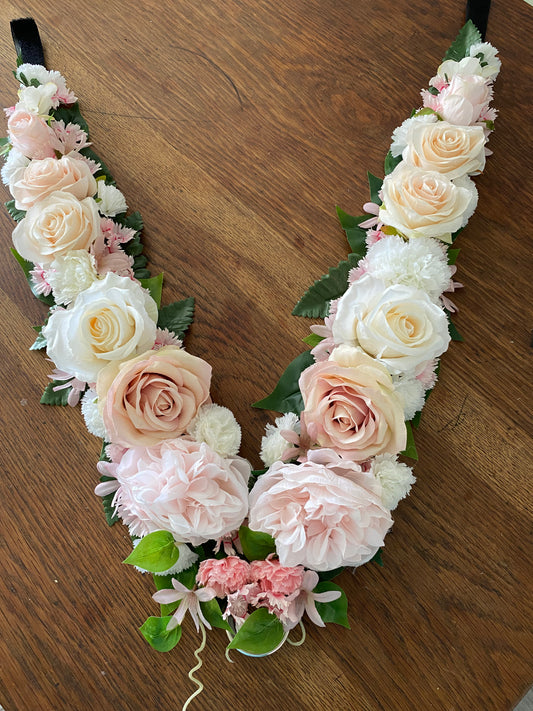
column 235, row 126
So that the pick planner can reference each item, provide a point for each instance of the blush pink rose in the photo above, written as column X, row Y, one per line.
column 43, row 177
column 320, row 514
column 30, row 135
column 351, row 406
column 152, row 397
column 224, row 576
column 276, row 578
column 183, row 487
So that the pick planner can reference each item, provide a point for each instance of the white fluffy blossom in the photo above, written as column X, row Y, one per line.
column 399, row 135
column 411, row 393
column 217, row 427
column 186, row 559
column 273, row 444
column 490, row 62
column 395, row 477
column 421, row 263
column 92, row 416
column 14, row 161
column 44, row 76
column 37, row 99
column 110, row 200
column 71, row 274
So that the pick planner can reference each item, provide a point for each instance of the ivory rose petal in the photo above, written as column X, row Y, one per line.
column 154, row 396
column 351, row 406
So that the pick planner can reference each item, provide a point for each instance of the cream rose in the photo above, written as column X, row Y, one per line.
column 43, row 177
column 153, row 397
column 351, row 406
column 399, row 324
column 422, row 203
column 112, row 320
column 451, row 150
column 30, row 135
column 56, row 225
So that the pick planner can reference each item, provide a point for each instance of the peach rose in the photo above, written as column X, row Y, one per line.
column 351, row 406
column 152, row 397
column 43, row 177
column 450, row 150
column 56, row 225
column 30, row 135
column 419, row 202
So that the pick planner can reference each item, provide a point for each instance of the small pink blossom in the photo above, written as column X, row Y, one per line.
column 373, row 236
column 38, row 277
column 190, row 600
column 276, row 578
column 373, row 209
column 279, row 605
column 358, row 271
column 68, row 138
column 164, row 337
column 307, row 599
column 63, row 96
column 428, row 376
column 115, row 233
column 230, row 542
column 78, row 386
column 224, row 576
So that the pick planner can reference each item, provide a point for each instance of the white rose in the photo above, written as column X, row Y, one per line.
column 464, row 99
column 37, row 99
column 489, row 61
column 43, row 177
column 468, row 66
column 112, row 320
column 56, row 225
column 398, row 325
column 451, row 150
column 421, row 203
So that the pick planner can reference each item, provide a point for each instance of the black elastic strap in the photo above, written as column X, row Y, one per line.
column 27, row 41
column 478, row 12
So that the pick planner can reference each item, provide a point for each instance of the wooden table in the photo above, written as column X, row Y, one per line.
column 235, row 127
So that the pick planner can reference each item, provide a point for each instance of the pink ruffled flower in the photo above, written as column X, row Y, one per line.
column 180, row 486
column 68, row 138
column 323, row 514
column 276, row 578
column 224, row 576
column 190, row 601
column 358, row 271
column 38, row 278
column 164, row 337
column 373, row 236
column 279, row 605
column 427, row 375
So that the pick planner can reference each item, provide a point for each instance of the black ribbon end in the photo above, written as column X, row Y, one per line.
column 27, row 41
column 478, row 12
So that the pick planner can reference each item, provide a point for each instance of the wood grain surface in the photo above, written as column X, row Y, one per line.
column 235, row 126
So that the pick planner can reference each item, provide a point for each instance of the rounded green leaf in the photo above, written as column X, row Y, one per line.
column 156, row 634
column 256, row 545
column 156, row 552
column 335, row 611
column 261, row 633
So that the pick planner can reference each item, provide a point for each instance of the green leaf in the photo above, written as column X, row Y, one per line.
column 452, row 255
column 355, row 235
column 213, row 614
column 135, row 222
column 468, row 35
column 40, row 341
column 456, row 234
column 142, row 274
column 377, row 558
column 155, row 287
column 155, row 552
column 103, row 170
column 71, row 114
column 156, row 634
column 452, row 330
column 374, row 183
column 26, row 268
column 15, row 214
column 391, row 162
column 336, row 611
column 313, row 339
column 58, row 397
column 140, row 262
column 187, row 577
column 286, row 396
column 330, row 574
column 107, row 500
column 315, row 302
column 256, row 545
column 177, row 317
column 260, row 633
column 410, row 448
column 433, row 90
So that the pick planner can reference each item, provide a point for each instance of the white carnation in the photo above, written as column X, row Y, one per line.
column 273, row 444
column 399, row 135
column 411, row 393
column 43, row 75
column 395, row 477
column 70, row 275
column 186, row 559
column 421, row 263
column 467, row 183
column 217, row 427
column 110, row 200
column 490, row 62
column 14, row 161
column 93, row 418
column 37, row 99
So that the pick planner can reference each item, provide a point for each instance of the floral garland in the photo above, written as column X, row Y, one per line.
column 249, row 552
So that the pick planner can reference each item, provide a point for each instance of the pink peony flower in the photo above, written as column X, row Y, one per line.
column 225, row 576
column 180, row 486
column 276, row 578
column 30, row 135
column 323, row 514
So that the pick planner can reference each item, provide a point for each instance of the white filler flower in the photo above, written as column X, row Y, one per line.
column 91, row 415
column 217, row 427
column 111, row 201
column 273, row 444
column 395, row 477
column 70, row 275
